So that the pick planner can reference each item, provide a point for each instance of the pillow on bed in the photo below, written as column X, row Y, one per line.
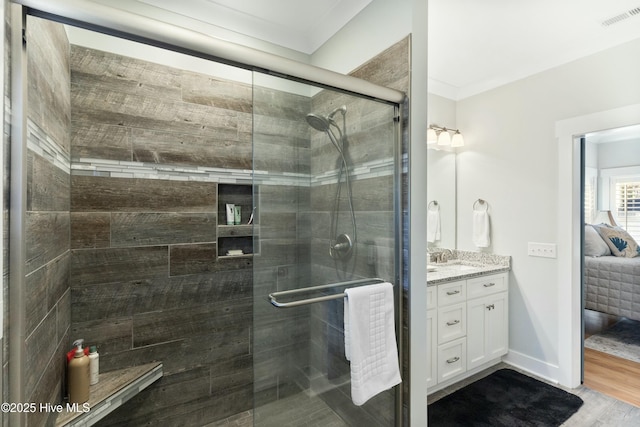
column 594, row 245
column 618, row 240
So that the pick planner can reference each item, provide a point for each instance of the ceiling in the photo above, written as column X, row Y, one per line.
column 628, row 133
column 473, row 45
column 302, row 25
column 477, row 45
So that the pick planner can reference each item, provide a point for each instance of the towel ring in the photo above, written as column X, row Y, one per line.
column 433, row 203
column 481, row 202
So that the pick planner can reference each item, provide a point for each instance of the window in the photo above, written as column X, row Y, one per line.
column 590, row 189
column 627, row 204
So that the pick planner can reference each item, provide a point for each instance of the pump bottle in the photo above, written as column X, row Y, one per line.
column 79, row 375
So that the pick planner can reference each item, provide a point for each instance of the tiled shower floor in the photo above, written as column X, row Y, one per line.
column 293, row 411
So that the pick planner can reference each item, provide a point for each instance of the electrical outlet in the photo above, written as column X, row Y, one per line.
column 545, row 250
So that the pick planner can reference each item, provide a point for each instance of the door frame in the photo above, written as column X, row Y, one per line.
column 569, row 231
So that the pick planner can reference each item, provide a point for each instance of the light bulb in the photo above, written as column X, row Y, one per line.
column 457, row 140
column 444, row 138
column 432, row 136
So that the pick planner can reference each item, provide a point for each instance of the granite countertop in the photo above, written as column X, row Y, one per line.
column 466, row 265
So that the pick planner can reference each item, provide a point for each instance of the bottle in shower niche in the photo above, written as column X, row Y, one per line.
column 237, row 214
column 230, row 210
column 94, row 364
column 79, row 375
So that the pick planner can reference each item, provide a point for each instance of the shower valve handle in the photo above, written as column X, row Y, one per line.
column 342, row 247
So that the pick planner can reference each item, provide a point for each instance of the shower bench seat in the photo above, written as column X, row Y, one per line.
column 112, row 391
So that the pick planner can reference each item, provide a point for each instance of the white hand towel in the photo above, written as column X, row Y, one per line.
column 481, row 229
column 433, row 225
column 370, row 340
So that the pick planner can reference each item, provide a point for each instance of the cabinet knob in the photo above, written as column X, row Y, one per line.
column 488, row 285
column 453, row 360
column 452, row 292
column 454, row 322
column 491, row 307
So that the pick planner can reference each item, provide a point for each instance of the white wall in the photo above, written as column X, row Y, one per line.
column 619, row 154
column 591, row 155
column 511, row 160
column 375, row 28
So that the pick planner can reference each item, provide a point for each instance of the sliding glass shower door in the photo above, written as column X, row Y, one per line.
column 325, row 185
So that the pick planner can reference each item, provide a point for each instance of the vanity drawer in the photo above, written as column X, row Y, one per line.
column 452, row 322
column 452, row 293
column 432, row 297
column 452, row 359
column 487, row 285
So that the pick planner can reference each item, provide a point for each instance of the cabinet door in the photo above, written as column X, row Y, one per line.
column 432, row 348
column 498, row 326
column 487, row 330
column 432, row 297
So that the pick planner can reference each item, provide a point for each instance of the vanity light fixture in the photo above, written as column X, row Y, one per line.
column 441, row 136
column 432, row 136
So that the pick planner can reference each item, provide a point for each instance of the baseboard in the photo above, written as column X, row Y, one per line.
column 534, row 366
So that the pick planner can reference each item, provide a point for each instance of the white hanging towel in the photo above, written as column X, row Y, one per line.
column 433, row 225
column 370, row 340
column 481, row 229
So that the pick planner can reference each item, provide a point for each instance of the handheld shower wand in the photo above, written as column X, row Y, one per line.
column 341, row 246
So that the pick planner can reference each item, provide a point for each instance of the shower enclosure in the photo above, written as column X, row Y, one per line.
column 123, row 168
column 325, row 186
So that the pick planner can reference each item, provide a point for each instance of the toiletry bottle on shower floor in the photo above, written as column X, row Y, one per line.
column 79, row 375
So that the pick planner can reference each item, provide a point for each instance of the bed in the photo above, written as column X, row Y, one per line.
column 611, row 271
column 612, row 285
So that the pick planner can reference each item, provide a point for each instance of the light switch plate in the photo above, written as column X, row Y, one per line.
column 545, row 250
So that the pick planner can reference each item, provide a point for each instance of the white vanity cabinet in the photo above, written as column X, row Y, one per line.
column 488, row 317
column 467, row 327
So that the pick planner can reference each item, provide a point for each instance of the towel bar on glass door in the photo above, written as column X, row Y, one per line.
column 274, row 301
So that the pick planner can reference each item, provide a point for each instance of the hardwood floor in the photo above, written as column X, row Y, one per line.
column 608, row 374
column 613, row 376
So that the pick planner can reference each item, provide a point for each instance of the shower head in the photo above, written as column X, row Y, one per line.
column 342, row 110
column 318, row 122
column 323, row 123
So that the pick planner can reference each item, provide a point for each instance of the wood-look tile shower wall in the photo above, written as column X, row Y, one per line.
column 47, row 293
column 145, row 278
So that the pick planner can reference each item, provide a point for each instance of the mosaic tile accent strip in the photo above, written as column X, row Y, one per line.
column 129, row 169
column 40, row 143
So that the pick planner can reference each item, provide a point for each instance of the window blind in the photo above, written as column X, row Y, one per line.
column 589, row 199
column 627, row 203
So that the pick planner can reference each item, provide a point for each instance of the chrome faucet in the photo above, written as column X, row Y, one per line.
column 444, row 256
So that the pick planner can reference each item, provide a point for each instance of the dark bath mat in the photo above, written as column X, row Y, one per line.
column 505, row 398
column 622, row 340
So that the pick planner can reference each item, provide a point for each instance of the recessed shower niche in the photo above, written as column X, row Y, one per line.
column 237, row 237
